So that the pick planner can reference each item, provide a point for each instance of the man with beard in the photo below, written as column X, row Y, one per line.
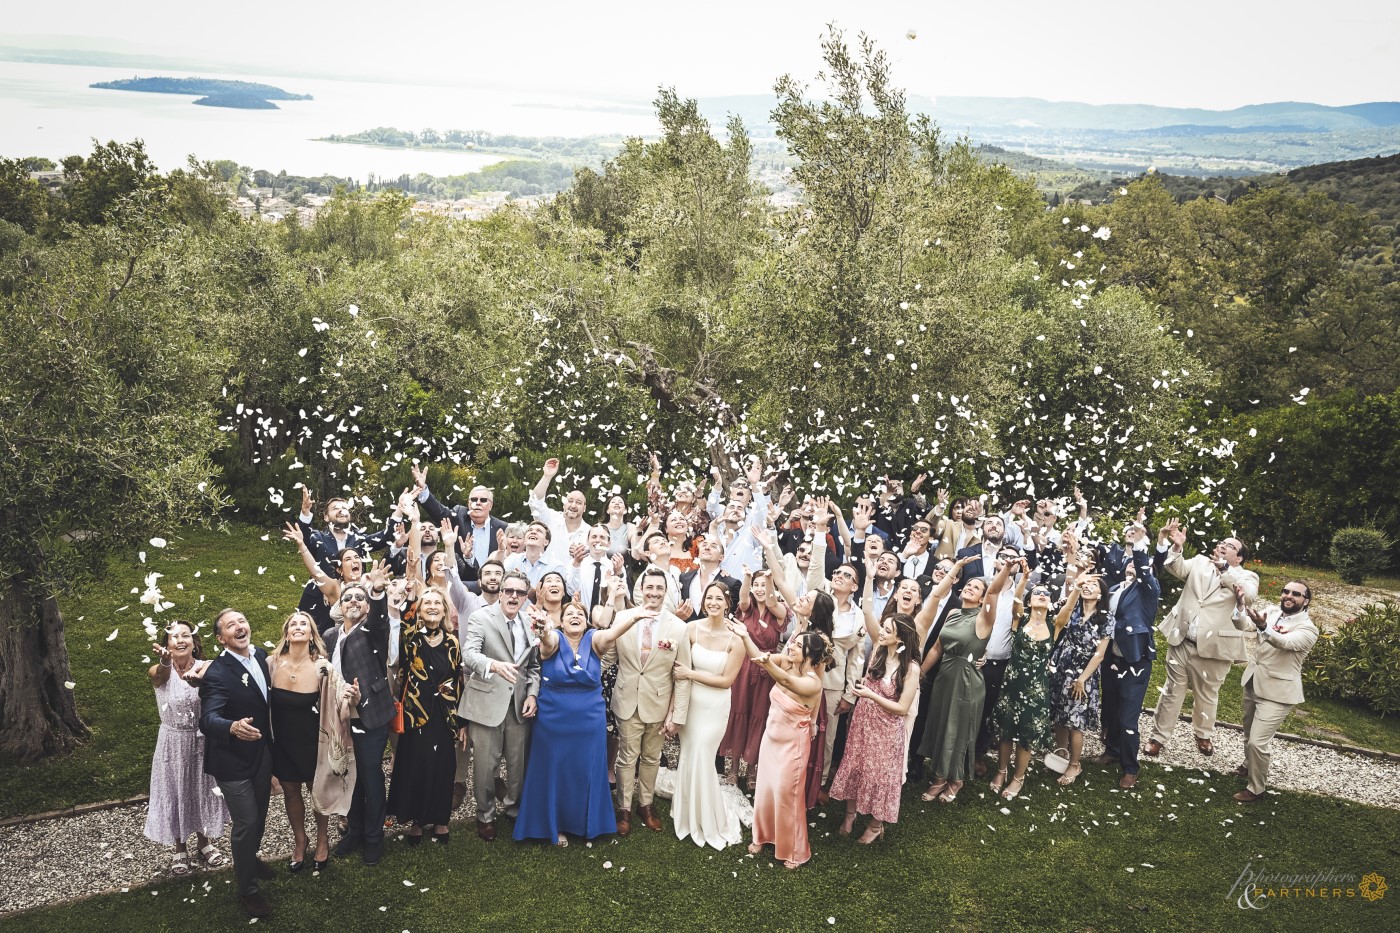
column 1273, row 681
column 960, row 530
column 1132, row 609
column 566, row 528
column 339, row 533
column 694, row 582
column 1201, row 633
column 359, row 650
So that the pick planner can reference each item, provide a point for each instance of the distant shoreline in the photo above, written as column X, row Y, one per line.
column 211, row 92
column 475, row 150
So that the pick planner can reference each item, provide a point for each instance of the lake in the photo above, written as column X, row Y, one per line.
column 49, row 110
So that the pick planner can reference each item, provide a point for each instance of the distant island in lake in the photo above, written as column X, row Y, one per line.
column 212, row 92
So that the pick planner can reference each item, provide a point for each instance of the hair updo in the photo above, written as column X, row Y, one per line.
column 816, row 648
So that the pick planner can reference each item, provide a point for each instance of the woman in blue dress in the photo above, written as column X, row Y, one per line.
column 566, row 778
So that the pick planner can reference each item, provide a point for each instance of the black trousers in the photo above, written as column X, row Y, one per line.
column 993, row 673
column 1124, row 686
column 366, row 817
column 247, row 805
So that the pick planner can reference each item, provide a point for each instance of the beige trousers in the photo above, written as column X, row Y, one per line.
column 638, row 758
column 1187, row 670
column 1262, row 719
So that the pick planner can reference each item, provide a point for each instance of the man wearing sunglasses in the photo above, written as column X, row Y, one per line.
column 477, row 528
column 1273, row 681
column 500, row 657
column 1132, row 608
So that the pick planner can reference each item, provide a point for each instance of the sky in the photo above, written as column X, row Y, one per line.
column 1193, row 53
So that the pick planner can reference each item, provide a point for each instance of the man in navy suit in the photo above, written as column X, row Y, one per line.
column 477, row 528
column 339, row 533
column 233, row 693
column 1132, row 607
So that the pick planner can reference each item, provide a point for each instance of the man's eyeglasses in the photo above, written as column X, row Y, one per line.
column 843, row 573
column 512, row 591
column 479, row 499
column 921, row 529
column 1297, row 593
column 1040, row 591
column 354, row 598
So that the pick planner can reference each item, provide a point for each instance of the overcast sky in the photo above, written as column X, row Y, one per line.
column 1185, row 53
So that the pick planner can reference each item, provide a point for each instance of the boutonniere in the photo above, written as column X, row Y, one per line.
column 245, row 680
column 665, row 645
column 1278, row 626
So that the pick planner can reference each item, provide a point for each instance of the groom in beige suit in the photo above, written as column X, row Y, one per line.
column 647, row 702
column 1273, row 682
column 1202, row 634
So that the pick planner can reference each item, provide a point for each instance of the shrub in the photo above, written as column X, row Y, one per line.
column 1361, row 660
column 1358, row 553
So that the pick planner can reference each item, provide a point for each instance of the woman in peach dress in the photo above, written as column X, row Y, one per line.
column 780, row 803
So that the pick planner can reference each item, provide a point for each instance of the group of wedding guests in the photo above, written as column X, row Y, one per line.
column 804, row 655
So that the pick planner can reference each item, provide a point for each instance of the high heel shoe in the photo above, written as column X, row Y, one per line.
column 1071, row 773
column 296, row 865
column 414, row 840
column 934, row 791
column 1013, row 789
column 999, row 780
column 442, row 839
column 321, row 864
column 950, row 792
column 848, row 824
column 867, row 839
column 755, row 848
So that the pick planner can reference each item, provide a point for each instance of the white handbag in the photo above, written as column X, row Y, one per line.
column 1058, row 760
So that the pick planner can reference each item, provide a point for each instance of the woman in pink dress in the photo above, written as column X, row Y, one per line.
column 872, row 770
column 780, row 803
column 748, row 698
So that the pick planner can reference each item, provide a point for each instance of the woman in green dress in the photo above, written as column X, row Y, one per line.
column 1023, row 712
column 955, row 706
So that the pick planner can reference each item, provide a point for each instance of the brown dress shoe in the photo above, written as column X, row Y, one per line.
column 459, row 794
column 1153, row 749
column 1204, row 747
column 1242, row 771
column 1248, row 796
column 487, row 831
column 1128, row 781
column 650, row 819
column 255, row 905
column 624, row 822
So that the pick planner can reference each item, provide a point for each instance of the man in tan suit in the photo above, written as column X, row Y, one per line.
column 1273, row 682
column 647, row 702
column 1201, row 632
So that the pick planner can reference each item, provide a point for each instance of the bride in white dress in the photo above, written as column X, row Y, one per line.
column 700, row 807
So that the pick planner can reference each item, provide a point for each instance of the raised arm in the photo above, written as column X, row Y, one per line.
column 805, row 686
column 329, row 587
column 604, row 639
column 1019, row 605
column 867, row 602
column 537, row 503
column 987, row 617
column 778, row 574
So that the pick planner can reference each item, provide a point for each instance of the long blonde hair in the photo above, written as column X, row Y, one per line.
column 316, row 647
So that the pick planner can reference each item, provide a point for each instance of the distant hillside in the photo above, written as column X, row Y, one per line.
column 1050, row 176
column 1373, row 185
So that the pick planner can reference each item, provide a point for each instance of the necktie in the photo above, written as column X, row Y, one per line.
column 646, row 640
column 597, row 583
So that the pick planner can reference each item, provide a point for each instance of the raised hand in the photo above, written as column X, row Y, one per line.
column 379, row 575
column 918, row 481
column 306, row 501
column 551, row 468
column 420, row 477
column 942, row 496
column 821, row 510
column 292, row 532
column 1176, row 533
column 785, row 497
column 761, row 535
column 447, row 534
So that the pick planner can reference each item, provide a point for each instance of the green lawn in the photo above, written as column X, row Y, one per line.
column 115, row 698
column 1081, row 858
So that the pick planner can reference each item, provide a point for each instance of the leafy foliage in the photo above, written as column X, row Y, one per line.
column 1358, row 553
column 1361, row 661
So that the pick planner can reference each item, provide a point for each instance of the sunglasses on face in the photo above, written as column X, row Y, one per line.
column 517, row 594
column 354, row 598
column 1040, row 591
column 479, row 499
column 1296, row 593
column 843, row 573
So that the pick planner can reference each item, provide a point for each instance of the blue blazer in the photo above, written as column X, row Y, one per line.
column 1133, row 624
column 225, row 697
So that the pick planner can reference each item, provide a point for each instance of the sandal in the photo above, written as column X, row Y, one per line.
column 1013, row 789
column 562, row 841
column 870, row 836
column 1071, row 773
column 181, row 864
column 999, row 781
column 950, row 793
column 213, row 857
column 755, row 848
column 933, row 792
column 791, row 865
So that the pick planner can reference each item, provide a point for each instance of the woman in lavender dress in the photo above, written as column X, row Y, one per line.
column 184, row 799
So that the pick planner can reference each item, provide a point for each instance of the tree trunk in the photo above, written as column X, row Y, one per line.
column 38, row 716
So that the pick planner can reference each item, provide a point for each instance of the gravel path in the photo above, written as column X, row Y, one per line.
column 64, row 858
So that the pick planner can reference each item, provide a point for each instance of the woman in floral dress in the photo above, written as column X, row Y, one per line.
column 1082, row 632
column 1023, row 713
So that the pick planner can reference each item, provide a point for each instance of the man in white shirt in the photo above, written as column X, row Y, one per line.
column 566, row 528
column 998, row 652
column 590, row 570
column 534, row 561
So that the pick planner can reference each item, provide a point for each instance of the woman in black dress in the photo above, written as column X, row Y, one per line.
column 430, row 670
column 297, row 666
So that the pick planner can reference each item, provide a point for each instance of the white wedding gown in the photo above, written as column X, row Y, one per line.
column 702, row 807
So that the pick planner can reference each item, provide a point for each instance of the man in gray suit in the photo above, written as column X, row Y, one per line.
column 501, row 659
